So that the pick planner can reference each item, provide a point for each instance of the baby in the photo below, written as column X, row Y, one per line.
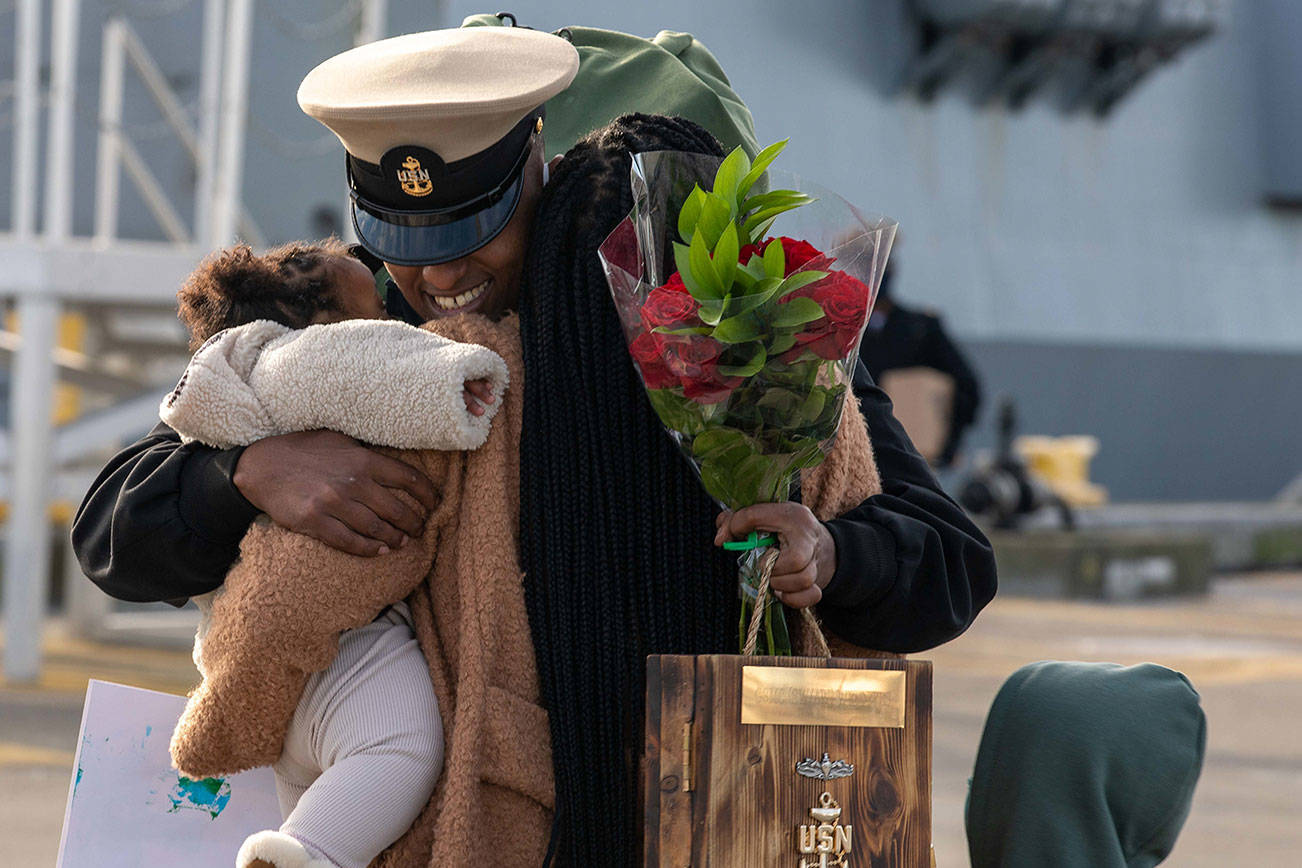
column 295, row 340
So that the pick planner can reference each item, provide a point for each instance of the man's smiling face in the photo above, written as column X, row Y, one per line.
column 488, row 280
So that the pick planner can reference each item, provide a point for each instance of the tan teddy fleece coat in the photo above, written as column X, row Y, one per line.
column 470, row 618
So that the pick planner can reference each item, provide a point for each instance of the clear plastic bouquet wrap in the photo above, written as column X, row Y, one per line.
column 745, row 340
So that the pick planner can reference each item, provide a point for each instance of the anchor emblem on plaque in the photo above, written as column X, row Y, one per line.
column 827, row 841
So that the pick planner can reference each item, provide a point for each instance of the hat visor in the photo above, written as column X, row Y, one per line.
column 404, row 244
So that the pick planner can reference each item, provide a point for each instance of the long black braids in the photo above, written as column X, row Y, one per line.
column 615, row 530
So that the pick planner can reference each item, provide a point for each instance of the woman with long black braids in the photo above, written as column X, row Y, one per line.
column 617, row 537
column 614, row 523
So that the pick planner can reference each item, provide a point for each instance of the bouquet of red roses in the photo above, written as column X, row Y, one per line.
column 746, row 342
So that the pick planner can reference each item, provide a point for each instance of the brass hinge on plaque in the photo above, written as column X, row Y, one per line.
column 688, row 771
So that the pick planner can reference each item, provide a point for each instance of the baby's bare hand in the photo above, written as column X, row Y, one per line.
column 477, row 394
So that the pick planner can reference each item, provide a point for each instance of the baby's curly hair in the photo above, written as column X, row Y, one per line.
column 289, row 284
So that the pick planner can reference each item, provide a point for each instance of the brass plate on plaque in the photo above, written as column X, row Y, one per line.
column 822, row 697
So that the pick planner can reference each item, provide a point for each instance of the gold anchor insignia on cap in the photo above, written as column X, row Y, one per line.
column 415, row 180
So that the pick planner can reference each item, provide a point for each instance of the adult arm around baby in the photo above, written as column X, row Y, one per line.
column 163, row 521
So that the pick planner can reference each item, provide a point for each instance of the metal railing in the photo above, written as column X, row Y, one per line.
column 43, row 272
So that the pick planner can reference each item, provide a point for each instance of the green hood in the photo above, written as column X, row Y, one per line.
column 672, row 74
column 1085, row 764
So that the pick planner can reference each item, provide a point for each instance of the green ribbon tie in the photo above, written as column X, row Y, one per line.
column 754, row 541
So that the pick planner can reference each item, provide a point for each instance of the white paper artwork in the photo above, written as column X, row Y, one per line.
column 127, row 806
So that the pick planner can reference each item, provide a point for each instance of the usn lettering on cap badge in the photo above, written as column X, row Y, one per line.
column 415, row 180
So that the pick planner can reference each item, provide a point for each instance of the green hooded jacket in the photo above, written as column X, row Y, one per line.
column 1085, row 765
column 671, row 74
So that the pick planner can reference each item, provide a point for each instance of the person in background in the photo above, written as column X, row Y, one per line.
column 1085, row 765
column 898, row 337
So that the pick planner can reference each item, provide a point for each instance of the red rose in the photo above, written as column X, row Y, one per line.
column 711, row 390
column 668, row 306
column 687, row 355
column 844, row 301
column 646, row 352
column 695, row 361
column 824, row 339
column 797, row 253
column 675, row 283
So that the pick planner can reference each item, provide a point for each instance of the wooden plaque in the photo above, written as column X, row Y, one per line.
column 721, row 793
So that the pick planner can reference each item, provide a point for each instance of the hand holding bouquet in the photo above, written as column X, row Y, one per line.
column 747, row 347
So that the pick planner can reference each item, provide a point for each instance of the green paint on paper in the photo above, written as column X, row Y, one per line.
column 209, row 795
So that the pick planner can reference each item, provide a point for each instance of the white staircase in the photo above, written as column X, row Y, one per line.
column 123, row 289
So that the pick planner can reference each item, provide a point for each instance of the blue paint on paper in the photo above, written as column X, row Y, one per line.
column 148, row 731
column 209, row 795
column 85, row 746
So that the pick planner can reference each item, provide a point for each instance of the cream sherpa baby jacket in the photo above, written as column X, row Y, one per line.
column 381, row 381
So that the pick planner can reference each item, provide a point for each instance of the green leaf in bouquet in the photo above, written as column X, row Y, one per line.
column 725, row 255
column 737, row 329
column 795, row 374
column 782, row 402
column 690, row 330
column 765, row 216
column 743, row 281
column 797, row 312
column 690, row 213
column 759, row 166
column 716, row 216
column 719, row 452
column 712, row 311
column 683, row 262
column 806, row 452
column 724, row 445
column 752, row 479
column 828, row 419
column 779, row 398
column 719, row 483
column 677, row 412
column 757, row 357
column 759, row 230
column 755, row 267
column 782, row 341
column 759, row 293
column 775, row 259
column 702, row 269
column 774, row 198
column 730, row 173
column 799, row 280
column 813, row 406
